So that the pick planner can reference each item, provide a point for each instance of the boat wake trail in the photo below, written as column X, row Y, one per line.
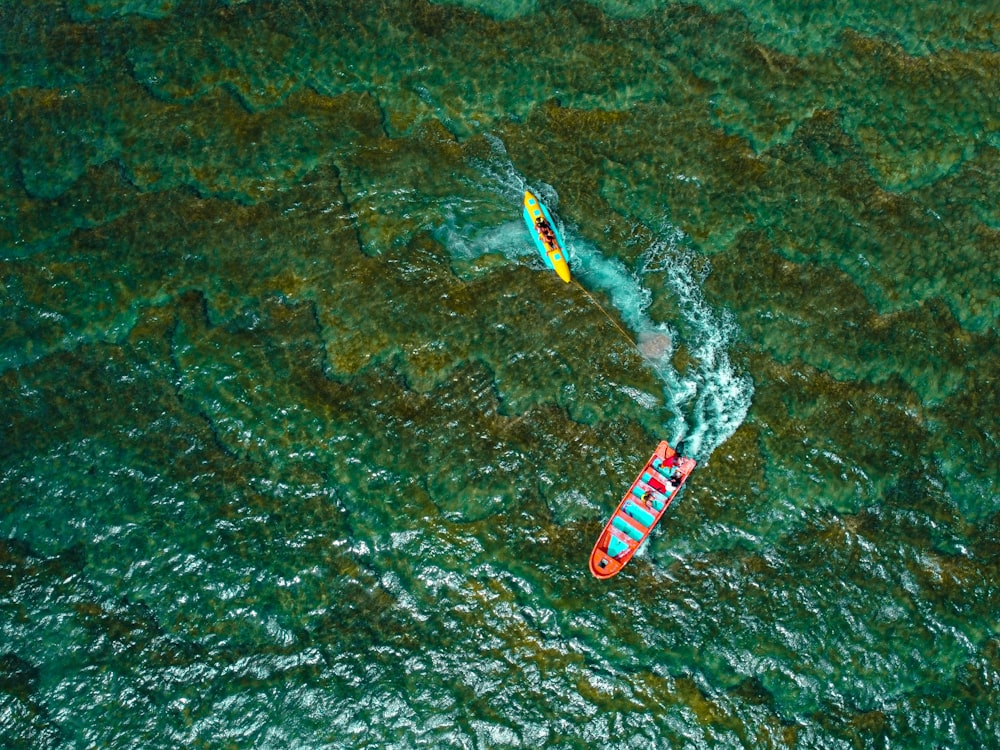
column 715, row 397
column 709, row 399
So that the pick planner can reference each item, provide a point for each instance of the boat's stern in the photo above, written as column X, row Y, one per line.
column 531, row 205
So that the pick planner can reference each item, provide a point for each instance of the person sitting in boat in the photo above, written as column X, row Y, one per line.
column 545, row 230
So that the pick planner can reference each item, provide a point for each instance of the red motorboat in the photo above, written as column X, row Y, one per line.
column 640, row 510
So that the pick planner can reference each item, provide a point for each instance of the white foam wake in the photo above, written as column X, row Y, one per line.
column 714, row 397
column 709, row 399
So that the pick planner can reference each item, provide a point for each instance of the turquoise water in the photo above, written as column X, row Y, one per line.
column 305, row 448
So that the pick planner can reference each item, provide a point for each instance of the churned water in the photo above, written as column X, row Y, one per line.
column 304, row 447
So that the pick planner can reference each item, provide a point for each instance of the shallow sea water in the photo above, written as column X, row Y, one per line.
column 305, row 448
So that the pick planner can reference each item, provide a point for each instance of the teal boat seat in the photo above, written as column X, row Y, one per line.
column 640, row 514
column 616, row 546
column 622, row 525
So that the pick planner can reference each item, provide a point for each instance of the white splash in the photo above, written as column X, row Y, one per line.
column 710, row 399
column 714, row 396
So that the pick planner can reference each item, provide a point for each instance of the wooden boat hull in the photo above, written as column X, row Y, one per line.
column 652, row 492
column 551, row 250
